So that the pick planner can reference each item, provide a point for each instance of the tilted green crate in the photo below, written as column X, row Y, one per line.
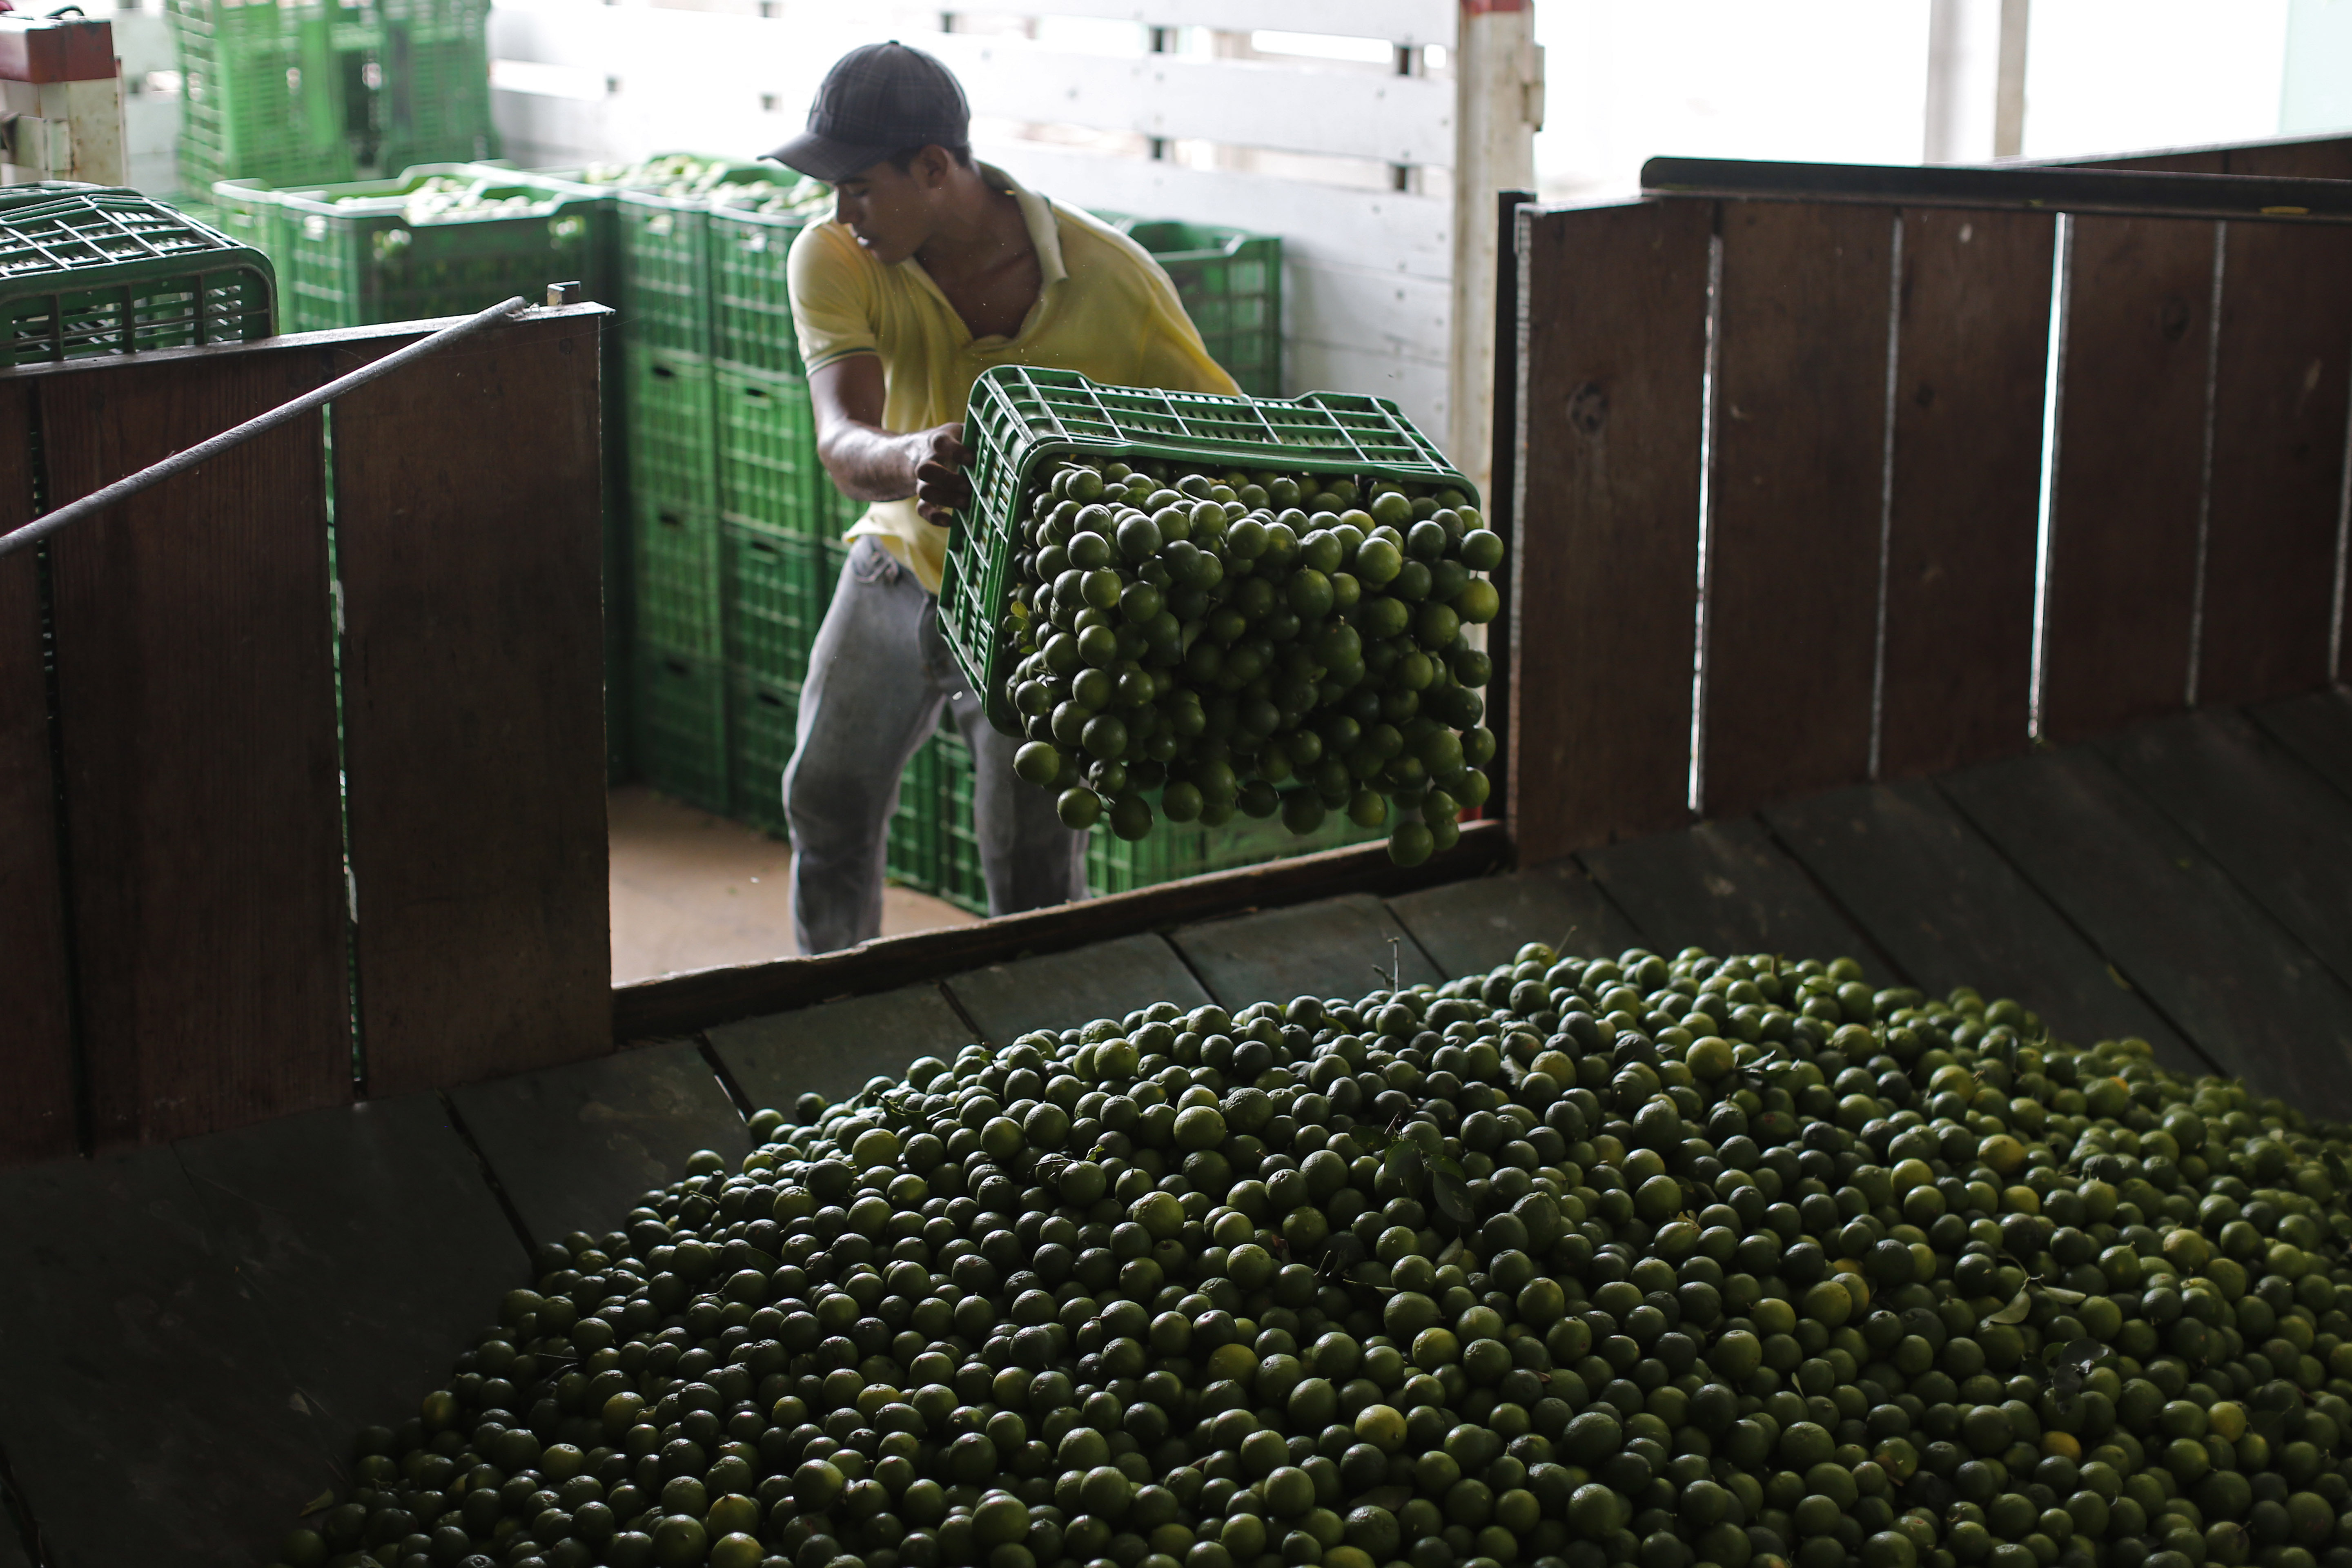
column 90, row 270
column 1021, row 417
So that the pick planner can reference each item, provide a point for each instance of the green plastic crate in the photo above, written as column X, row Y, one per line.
column 773, row 593
column 363, row 253
column 619, row 638
column 675, row 578
column 955, row 851
column 665, row 209
column 680, row 714
column 262, row 92
column 435, row 104
column 1022, row 416
column 752, row 300
column 768, row 469
column 911, row 853
column 670, row 419
column 760, row 719
column 1230, row 283
column 1172, row 850
column 90, row 270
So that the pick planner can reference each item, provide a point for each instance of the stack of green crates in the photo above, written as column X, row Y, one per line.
column 262, row 92
column 431, row 97
column 1230, row 283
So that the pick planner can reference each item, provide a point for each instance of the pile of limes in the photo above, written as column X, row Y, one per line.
column 1252, row 642
column 1575, row 1263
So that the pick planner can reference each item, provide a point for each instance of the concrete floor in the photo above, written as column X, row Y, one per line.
column 691, row 891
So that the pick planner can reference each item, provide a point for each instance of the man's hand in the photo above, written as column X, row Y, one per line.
column 940, row 488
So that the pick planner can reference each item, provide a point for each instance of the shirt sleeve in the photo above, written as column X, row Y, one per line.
column 833, row 308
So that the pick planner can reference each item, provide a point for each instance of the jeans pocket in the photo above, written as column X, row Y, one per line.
column 871, row 564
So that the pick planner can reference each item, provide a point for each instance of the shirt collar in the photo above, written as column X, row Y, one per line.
column 1037, row 213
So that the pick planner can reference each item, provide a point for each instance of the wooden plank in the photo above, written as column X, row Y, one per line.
column 2280, row 386
column 1615, row 310
column 679, row 1003
column 835, row 1048
column 1469, row 926
column 2281, row 832
column 2245, row 992
column 1950, row 911
column 1063, row 990
column 1726, row 887
column 1341, row 947
column 1800, row 467
column 37, row 1115
column 571, row 1147
column 1973, row 342
column 371, row 1244
column 2124, row 502
column 195, row 683
column 2317, row 728
column 468, row 535
column 143, row 1406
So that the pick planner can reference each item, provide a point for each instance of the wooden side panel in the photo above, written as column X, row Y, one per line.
column 2317, row 728
column 1341, row 947
column 1800, row 403
column 1480, row 921
column 2278, row 392
column 36, row 1077
column 1972, row 358
column 197, row 697
column 1727, row 887
column 1063, row 990
column 571, row 1147
column 2131, row 434
column 1607, row 537
column 834, row 1048
column 467, row 536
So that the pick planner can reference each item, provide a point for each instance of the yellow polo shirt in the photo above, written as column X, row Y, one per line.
column 1106, row 311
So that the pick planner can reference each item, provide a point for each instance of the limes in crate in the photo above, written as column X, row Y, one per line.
column 1256, row 642
column 1576, row 1261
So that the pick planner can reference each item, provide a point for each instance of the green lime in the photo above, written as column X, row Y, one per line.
column 1079, row 808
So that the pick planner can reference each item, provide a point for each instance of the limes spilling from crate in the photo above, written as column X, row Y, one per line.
column 1576, row 1262
column 1254, row 642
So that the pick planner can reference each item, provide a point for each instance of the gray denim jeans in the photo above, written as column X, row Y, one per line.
column 878, row 677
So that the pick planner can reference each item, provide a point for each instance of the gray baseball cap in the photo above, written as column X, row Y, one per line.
column 877, row 100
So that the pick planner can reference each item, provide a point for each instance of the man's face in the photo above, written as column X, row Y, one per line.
column 889, row 210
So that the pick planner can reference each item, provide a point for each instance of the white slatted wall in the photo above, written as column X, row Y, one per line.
column 1368, row 297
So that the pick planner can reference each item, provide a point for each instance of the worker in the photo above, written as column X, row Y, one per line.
column 934, row 268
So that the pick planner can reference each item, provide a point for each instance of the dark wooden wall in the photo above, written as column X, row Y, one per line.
column 1784, row 459
column 180, row 769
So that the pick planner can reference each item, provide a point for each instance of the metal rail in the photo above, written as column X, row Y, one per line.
column 2257, row 199
column 179, row 463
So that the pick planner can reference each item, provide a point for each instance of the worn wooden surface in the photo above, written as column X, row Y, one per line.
column 195, row 683
column 2277, row 495
column 468, row 535
column 1063, row 990
column 573, row 1147
column 1800, row 468
column 1726, row 887
column 2130, row 473
column 144, row 1407
column 1341, row 947
column 834, row 1048
column 1471, row 926
column 1972, row 357
column 1949, row 910
column 370, row 1244
column 685, row 1003
column 38, row 1117
column 2317, row 728
column 2253, row 999
column 1604, row 580
column 2282, row 832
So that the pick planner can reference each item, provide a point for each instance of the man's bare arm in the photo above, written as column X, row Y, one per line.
column 870, row 463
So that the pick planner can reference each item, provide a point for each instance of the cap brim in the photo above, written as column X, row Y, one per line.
column 827, row 159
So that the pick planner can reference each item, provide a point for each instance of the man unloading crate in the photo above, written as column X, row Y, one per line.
column 935, row 269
